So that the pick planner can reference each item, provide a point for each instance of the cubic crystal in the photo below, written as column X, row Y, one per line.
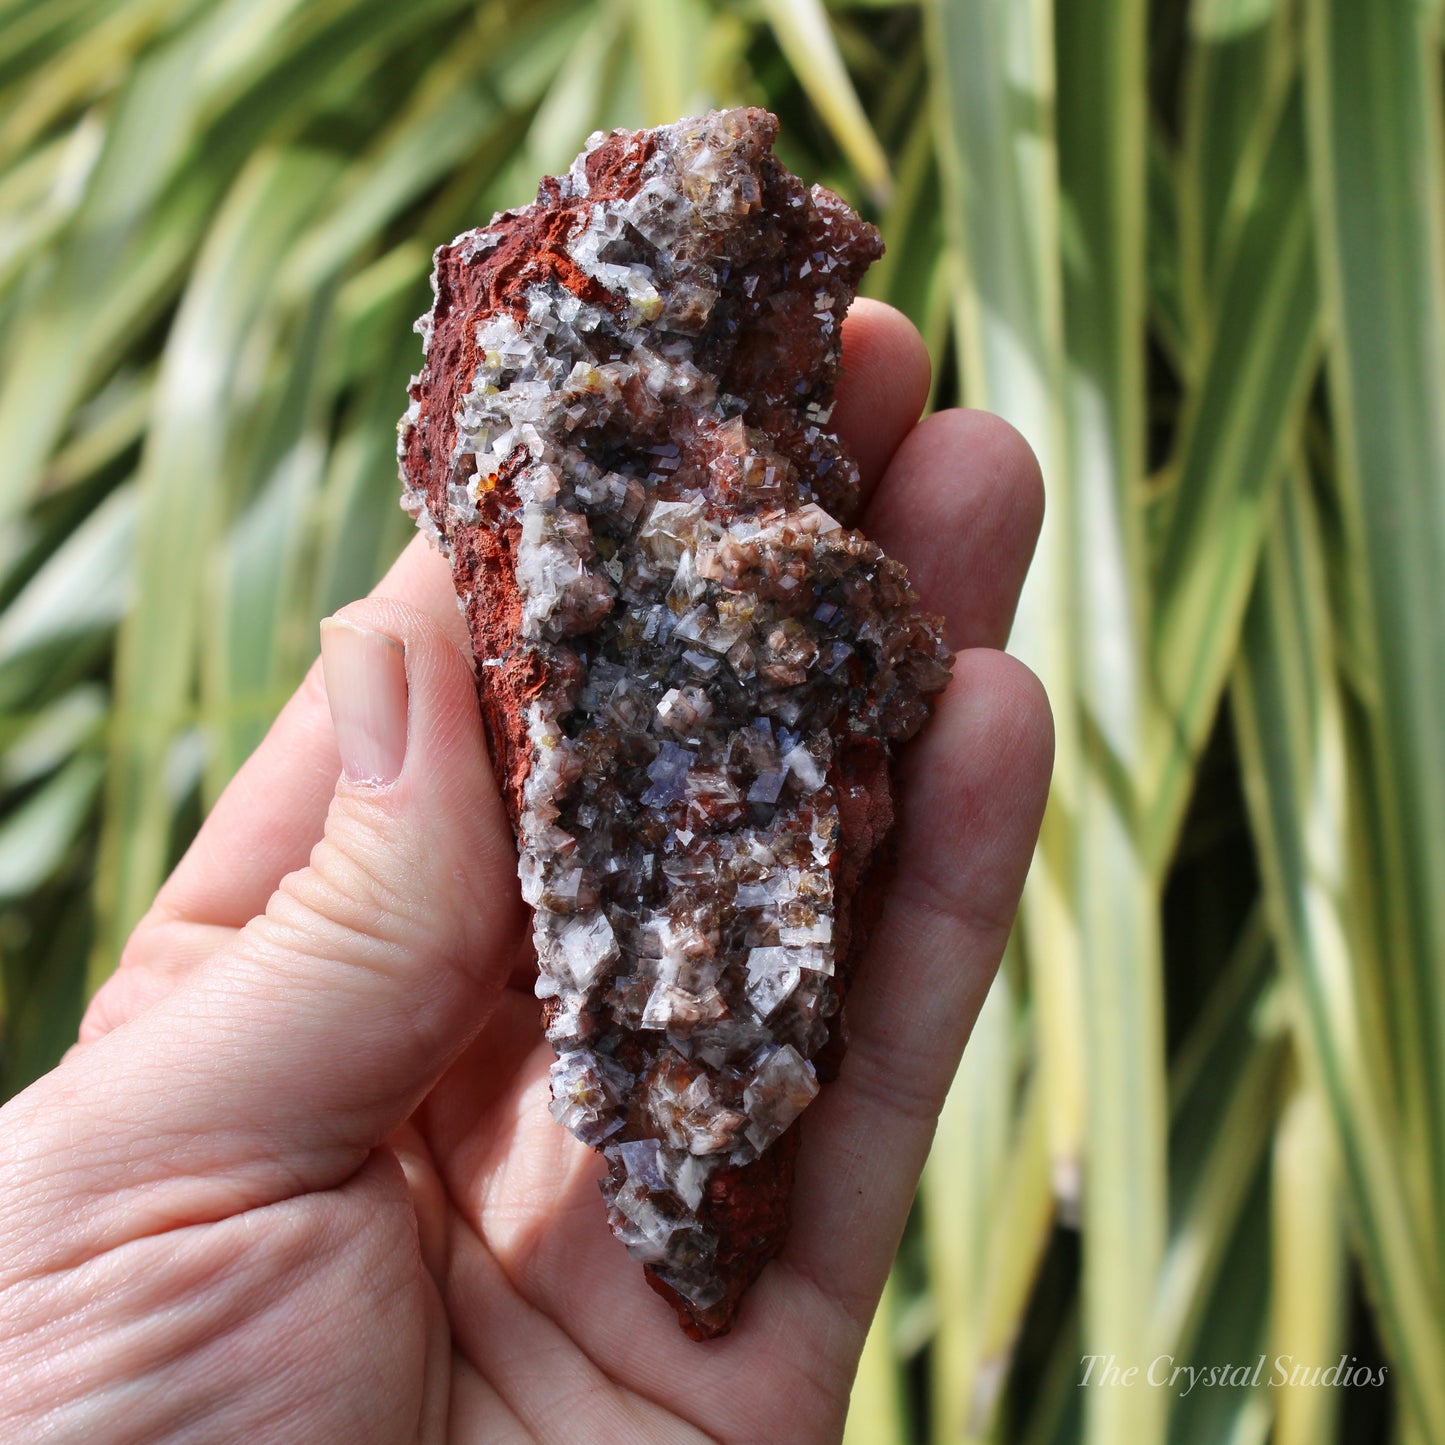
column 693, row 672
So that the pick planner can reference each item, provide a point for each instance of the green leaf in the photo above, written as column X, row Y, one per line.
column 961, row 1198
column 36, row 838
column 40, row 193
column 1290, row 724
column 365, row 526
column 670, row 39
column 42, row 982
column 565, row 74
column 1307, row 1267
column 1166, row 301
column 46, row 740
column 1378, row 166
column 992, row 90
column 1225, row 1087
column 1232, row 1331
column 876, row 1410
column 1021, row 1222
column 1102, row 172
column 82, row 588
column 256, row 638
column 448, row 121
column 1222, row 20
column 1237, row 82
column 1260, row 351
column 200, row 401
column 908, row 271
column 65, row 341
column 807, row 39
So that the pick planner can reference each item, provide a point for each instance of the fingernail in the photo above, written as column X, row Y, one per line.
column 365, row 674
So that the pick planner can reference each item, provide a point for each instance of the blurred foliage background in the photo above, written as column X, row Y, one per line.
column 1194, row 249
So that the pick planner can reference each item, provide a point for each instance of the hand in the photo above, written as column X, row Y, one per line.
column 298, row 1180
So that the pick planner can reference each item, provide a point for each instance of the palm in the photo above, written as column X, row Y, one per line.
column 533, row 1268
column 482, row 1294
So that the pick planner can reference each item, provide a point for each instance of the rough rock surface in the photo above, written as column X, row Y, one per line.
column 693, row 673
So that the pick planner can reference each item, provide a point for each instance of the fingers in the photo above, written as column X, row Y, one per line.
column 249, row 842
column 159, row 954
column 976, row 781
column 279, row 1063
column 961, row 503
column 884, row 386
column 262, row 827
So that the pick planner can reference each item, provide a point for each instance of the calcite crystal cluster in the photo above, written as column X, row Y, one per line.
column 693, row 672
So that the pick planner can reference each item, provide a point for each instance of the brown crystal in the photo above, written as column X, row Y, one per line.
column 693, row 674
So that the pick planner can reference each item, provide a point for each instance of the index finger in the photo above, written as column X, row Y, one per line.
column 270, row 816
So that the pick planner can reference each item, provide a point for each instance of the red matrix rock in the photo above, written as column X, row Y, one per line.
column 693, row 674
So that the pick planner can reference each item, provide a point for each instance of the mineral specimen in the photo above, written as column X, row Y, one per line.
column 693, row 673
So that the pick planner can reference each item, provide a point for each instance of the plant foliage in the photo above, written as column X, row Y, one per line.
column 1193, row 249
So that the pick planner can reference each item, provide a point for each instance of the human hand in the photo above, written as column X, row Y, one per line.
column 298, row 1180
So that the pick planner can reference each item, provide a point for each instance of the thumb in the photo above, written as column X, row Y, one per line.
column 305, row 1041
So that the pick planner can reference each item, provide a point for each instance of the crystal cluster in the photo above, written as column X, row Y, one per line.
column 693, row 672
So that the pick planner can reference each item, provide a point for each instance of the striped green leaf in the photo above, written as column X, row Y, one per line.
column 999, row 172
column 807, row 40
column 1258, row 353
column 1377, row 161
column 1102, row 173
column 198, row 408
column 1291, row 729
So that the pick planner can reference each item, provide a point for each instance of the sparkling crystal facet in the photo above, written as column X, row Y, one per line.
column 693, row 672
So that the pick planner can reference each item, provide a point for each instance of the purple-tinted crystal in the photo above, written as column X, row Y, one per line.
column 694, row 673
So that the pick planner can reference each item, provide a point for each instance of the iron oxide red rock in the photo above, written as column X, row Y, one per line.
column 693, row 674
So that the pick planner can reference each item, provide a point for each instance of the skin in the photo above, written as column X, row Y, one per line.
column 297, row 1180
